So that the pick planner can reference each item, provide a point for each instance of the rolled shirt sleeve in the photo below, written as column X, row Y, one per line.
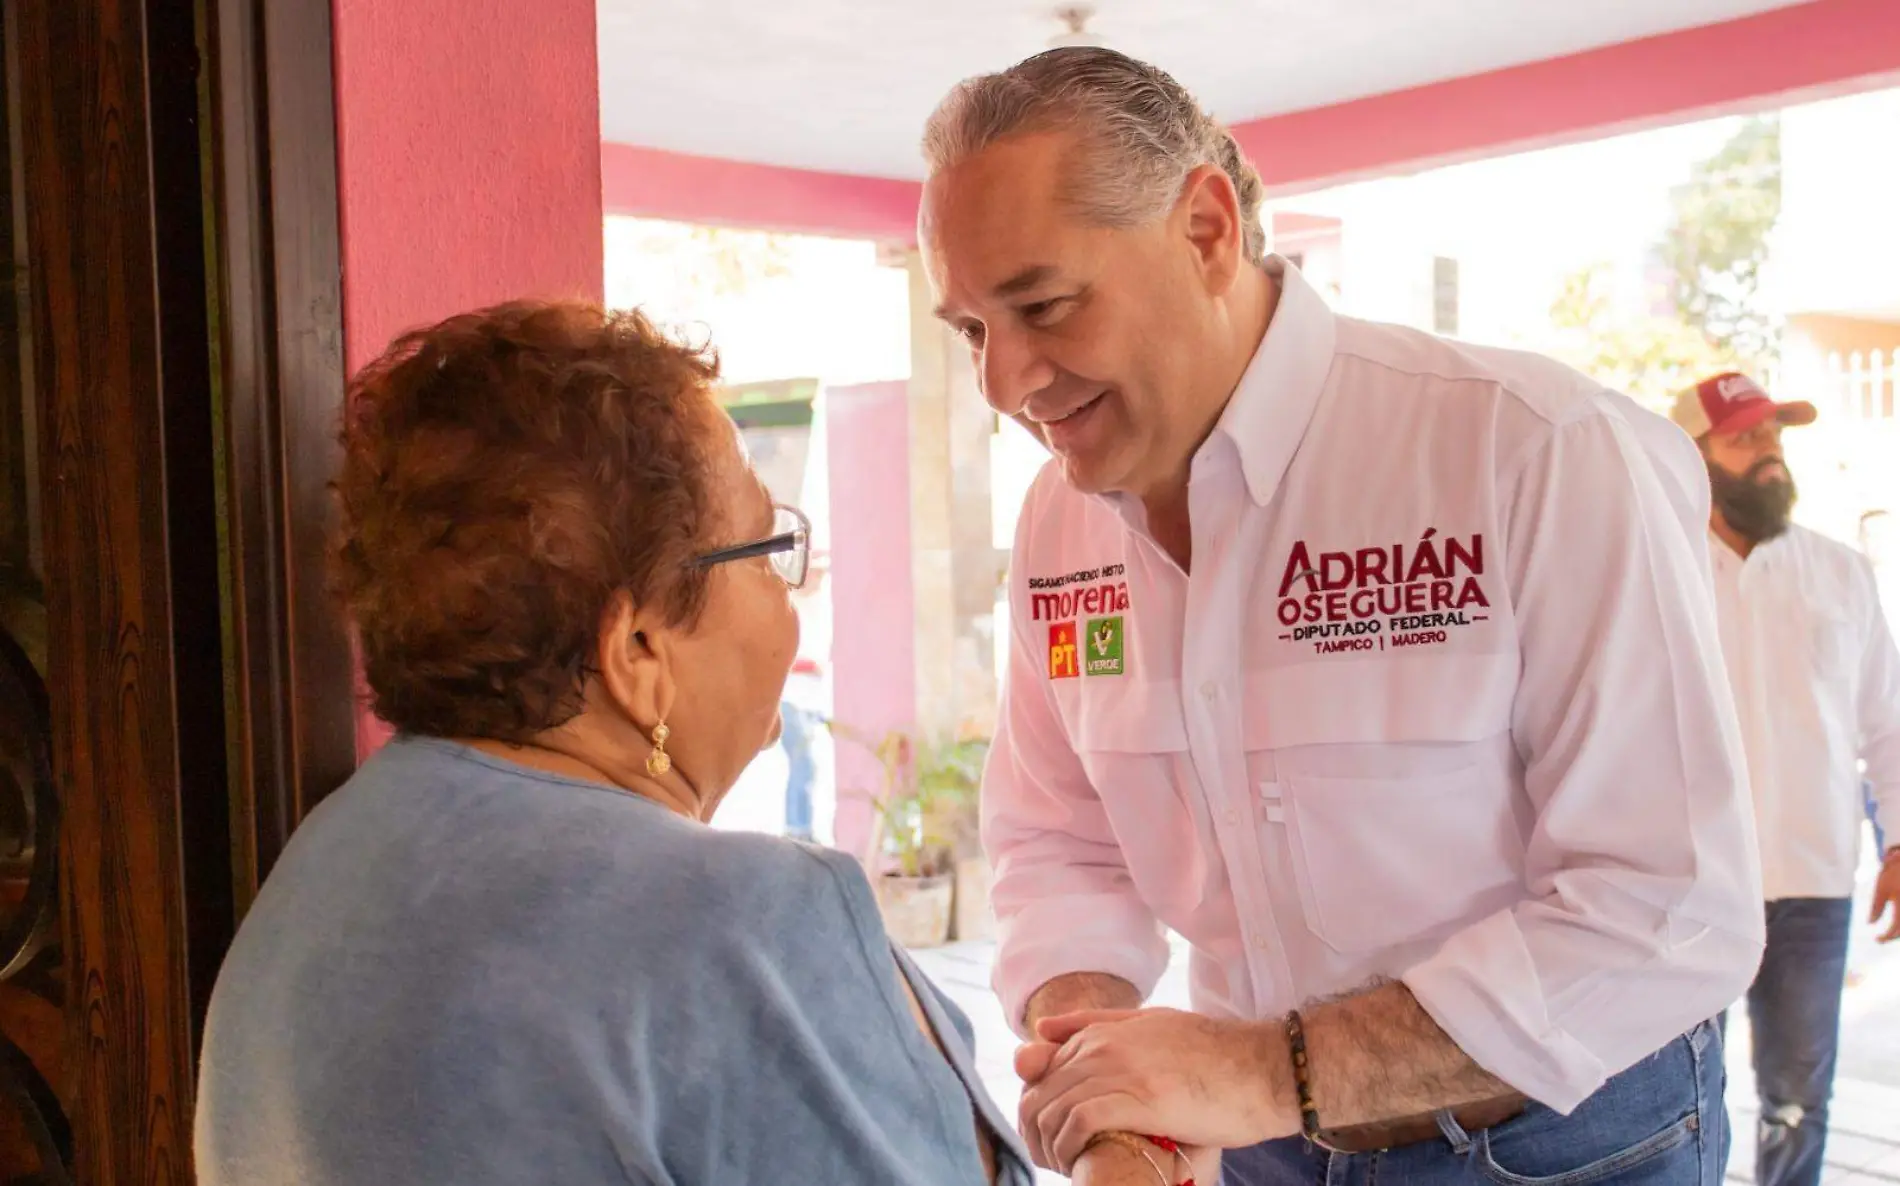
column 1063, row 896
column 1643, row 915
column 1878, row 709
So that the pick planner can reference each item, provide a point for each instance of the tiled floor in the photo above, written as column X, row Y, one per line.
column 1863, row 1149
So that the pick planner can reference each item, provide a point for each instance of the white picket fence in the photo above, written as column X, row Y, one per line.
column 1861, row 387
column 1849, row 462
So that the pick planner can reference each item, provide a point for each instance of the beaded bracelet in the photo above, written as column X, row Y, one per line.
column 1302, row 1081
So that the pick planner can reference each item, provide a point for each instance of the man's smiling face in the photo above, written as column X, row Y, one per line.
column 1082, row 334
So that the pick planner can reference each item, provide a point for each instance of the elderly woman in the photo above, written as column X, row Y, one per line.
column 509, row 950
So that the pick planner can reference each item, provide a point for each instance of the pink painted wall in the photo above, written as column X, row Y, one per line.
column 872, row 660
column 468, row 159
column 650, row 183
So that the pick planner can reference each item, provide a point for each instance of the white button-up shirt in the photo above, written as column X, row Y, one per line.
column 1441, row 700
column 1817, row 686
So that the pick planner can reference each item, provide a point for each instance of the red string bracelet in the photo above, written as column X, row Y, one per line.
column 1170, row 1145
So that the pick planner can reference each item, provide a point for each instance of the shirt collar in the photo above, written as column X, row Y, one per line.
column 1762, row 555
column 1273, row 404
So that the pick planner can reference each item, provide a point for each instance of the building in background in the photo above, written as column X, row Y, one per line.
column 1835, row 280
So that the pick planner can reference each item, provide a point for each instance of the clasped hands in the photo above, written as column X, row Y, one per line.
column 1207, row 1083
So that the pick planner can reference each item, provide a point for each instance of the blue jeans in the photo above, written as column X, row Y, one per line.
column 1867, row 802
column 795, row 736
column 1794, row 1015
column 1660, row 1123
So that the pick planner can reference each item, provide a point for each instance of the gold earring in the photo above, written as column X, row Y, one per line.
column 658, row 762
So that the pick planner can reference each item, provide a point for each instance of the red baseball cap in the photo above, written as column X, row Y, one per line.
column 1732, row 402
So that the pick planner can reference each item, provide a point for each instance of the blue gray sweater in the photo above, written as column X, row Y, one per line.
column 465, row 972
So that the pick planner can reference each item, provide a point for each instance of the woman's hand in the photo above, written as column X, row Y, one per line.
column 1113, row 1164
column 1109, row 1164
column 1887, row 896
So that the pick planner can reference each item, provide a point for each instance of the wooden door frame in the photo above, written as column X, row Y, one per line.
column 281, row 295
column 185, row 310
column 17, row 498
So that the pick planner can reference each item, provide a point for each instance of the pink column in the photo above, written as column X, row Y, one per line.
column 873, row 686
column 468, row 154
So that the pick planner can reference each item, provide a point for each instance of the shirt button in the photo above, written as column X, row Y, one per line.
column 1209, row 691
column 1233, row 818
column 1259, row 941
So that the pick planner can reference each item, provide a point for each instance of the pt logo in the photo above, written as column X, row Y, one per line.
column 1064, row 663
column 1105, row 647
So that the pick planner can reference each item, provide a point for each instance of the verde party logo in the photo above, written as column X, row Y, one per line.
column 1105, row 645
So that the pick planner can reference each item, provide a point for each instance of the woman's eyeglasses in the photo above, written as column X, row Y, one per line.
column 788, row 547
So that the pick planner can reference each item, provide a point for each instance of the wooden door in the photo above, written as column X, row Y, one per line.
column 178, row 192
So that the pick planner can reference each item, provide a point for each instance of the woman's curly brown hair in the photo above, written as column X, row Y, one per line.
column 504, row 474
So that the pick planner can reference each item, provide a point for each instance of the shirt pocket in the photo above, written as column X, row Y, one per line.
column 1381, row 862
column 1398, row 788
column 1131, row 716
column 1131, row 736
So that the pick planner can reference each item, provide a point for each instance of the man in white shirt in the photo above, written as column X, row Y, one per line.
column 1380, row 667
column 1878, row 542
column 1817, row 686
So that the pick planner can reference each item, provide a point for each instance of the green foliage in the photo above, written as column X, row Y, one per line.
column 709, row 263
column 731, row 261
column 1649, row 357
column 1717, row 243
column 927, row 805
column 1711, row 255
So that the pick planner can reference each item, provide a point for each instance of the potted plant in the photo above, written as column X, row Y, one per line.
column 957, row 768
column 925, row 816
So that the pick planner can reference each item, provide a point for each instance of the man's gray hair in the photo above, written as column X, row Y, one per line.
column 1142, row 134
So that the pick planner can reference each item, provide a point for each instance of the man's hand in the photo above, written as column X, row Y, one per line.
column 1887, row 897
column 1222, row 1084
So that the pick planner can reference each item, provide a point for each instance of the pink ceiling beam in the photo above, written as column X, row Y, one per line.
column 1770, row 59
column 650, row 183
column 1777, row 57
